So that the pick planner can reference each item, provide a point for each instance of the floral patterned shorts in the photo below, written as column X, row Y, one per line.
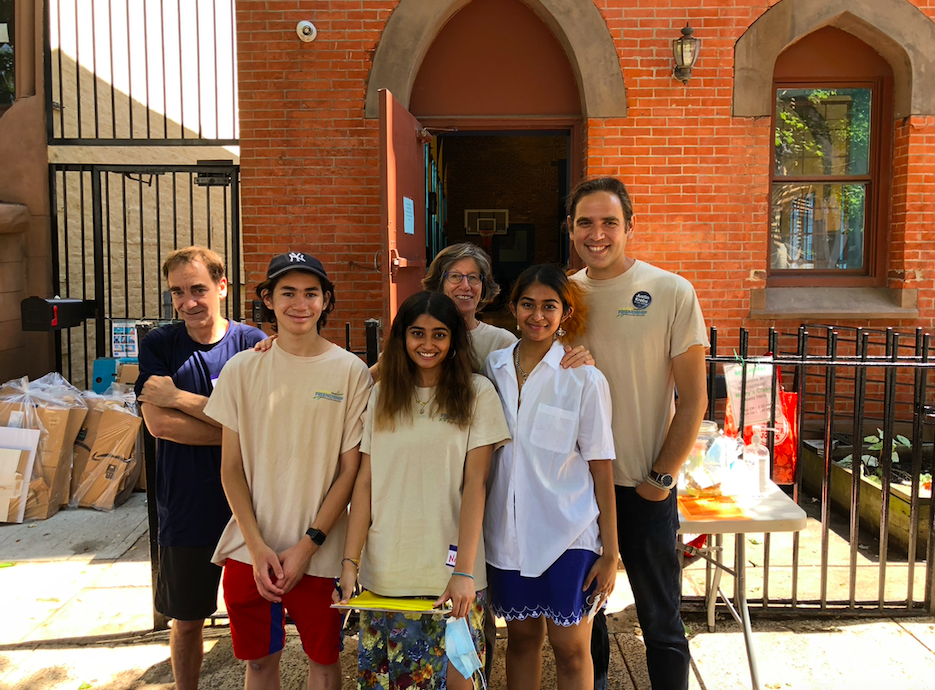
column 401, row 650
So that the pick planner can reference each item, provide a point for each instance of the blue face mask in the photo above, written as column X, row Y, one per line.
column 460, row 647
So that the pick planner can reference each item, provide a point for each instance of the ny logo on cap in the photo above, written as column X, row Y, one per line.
column 296, row 256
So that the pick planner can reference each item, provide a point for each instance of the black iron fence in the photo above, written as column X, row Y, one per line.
column 866, row 424
column 153, row 71
column 112, row 226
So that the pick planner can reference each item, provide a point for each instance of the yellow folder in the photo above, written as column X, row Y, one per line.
column 368, row 601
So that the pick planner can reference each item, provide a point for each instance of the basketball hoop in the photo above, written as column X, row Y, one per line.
column 486, row 228
column 486, row 235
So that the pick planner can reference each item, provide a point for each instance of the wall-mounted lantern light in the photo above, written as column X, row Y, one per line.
column 686, row 49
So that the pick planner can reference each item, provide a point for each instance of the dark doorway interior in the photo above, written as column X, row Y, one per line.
column 523, row 173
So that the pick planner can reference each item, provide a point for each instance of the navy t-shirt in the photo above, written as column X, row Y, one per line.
column 193, row 509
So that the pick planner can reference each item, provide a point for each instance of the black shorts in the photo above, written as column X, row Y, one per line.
column 187, row 582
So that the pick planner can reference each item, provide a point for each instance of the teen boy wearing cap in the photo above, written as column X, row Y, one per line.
column 178, row 367
column 292, row 424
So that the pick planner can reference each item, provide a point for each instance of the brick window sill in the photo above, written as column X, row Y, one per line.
column 833, row 303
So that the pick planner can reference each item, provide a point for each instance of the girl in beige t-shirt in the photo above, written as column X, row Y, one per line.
column 416, row 511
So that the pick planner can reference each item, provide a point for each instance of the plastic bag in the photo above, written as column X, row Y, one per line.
column 786, row 438
column 55, row 408
column 54, row 386
column 106, row 465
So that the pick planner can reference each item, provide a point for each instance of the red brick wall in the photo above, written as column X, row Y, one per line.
column 698, row 175
column 310, row 175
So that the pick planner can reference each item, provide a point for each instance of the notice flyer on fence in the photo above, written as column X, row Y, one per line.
column 124, row 340
column 760, row 397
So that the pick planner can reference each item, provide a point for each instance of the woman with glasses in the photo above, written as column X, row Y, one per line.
column 464, row 273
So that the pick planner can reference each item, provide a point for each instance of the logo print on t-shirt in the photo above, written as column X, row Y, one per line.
column 641, row 300
column 296, row 256
column 329, row 395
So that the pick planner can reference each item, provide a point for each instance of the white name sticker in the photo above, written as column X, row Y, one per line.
column 452, row 556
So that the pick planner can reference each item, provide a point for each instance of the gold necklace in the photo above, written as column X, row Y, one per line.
column 422, row 411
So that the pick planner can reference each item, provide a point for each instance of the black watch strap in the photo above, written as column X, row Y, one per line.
column 661, row 480
column 317, row 536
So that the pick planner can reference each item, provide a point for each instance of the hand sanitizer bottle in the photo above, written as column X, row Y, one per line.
column 756, row 458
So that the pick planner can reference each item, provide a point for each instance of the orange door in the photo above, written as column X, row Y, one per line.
column 402, row 207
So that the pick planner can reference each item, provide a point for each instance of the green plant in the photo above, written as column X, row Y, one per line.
column 870, row 464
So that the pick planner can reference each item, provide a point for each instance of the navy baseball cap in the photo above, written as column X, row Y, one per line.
column 295, row 261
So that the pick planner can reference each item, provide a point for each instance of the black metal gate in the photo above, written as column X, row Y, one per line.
column 112, row 227
column 864, row 397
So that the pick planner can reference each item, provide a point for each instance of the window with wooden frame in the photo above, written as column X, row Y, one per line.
column 7, row 63
column 831, row 163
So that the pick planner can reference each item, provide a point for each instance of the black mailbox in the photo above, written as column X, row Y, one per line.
column 54, row 314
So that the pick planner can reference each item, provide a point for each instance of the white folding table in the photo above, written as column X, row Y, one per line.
column 775, row 512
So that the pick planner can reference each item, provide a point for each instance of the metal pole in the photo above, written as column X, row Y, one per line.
column 233, row 266
column 886, row 460
column 857, row 450
column 98, row 230
column 830, row 376
column 372, row 327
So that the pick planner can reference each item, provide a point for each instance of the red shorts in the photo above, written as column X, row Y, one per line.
column 258, row 626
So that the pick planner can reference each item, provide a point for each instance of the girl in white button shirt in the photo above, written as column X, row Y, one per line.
column 551, row 503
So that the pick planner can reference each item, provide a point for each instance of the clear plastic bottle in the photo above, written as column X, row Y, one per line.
column 756, row 461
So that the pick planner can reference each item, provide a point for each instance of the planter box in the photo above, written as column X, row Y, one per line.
column 813, row 468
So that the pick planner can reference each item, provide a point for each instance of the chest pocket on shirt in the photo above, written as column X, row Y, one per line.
column 553, row 429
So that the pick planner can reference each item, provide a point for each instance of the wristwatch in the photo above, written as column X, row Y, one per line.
column 317, row 536
column 661, row 480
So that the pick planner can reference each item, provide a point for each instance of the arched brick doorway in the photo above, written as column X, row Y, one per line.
column 576, row 24
column 501, row 96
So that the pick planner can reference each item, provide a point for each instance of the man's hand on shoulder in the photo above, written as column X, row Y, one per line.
column 265, row 344
column 160, row 391
column 576, row 357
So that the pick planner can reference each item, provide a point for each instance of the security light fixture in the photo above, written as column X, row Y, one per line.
column 686, row 49
column 306, row 31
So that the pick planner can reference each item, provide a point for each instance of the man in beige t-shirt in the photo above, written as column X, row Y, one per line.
column 292, row 421
column 647, row 335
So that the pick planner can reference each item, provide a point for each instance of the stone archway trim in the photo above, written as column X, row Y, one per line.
column 896, row 29
column 577, row 24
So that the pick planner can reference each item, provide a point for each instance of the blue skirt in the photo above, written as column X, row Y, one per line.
column 556, row 594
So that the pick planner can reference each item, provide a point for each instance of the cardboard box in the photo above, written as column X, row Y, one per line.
column 129, row 373
column 105, row 457
column 37, row 500
column 87, row 435
column 18, row 451
column 60, row 427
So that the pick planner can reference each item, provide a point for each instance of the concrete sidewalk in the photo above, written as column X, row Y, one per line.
column 77, row 604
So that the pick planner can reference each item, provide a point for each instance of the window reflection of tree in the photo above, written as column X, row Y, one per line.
column 820, row 133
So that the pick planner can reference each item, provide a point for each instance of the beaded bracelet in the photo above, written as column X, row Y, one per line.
column 356, row 564
column 463, row 574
